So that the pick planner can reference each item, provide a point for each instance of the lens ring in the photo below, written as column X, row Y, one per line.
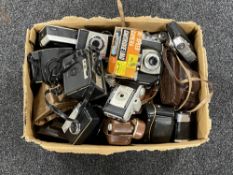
column 147, row 61
column 75, row 128
column 97, row 42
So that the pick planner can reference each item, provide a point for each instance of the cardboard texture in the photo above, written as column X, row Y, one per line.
column 144, row 23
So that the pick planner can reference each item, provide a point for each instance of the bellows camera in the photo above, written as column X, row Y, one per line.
column 85, row 124
column 123, row 102
column 99, row 41
column 54, row 36
column 84, row 75
column 150, row 59
column 46, row 64
column 181, row 42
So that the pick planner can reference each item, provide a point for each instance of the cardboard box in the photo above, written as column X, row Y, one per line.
column 145, row 23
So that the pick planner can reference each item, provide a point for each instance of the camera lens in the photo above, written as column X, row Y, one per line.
column 121, row 95
column 181, row 46
column 96, row 43
column 75, row 128
column 152, row 61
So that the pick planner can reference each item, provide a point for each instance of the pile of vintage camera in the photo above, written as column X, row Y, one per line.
column 112, row 87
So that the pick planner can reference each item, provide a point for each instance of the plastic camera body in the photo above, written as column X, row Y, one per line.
column 85, row 124
column 181, row 43
column 123, row 102
column 99, row 41
column 56, row 36
column 81, row 76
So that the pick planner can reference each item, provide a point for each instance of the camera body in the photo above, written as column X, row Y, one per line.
column 86, row 123
column 99, row 41
column 45, row 63
column 160, row 123
column 122, row 133
column 164, row 125
column 183, row 127
column 55, row 36
column 181, row 43
column 150, row 65
column 81, row 76
column 123, row 102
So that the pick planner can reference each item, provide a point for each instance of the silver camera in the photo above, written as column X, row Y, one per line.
column 123, row 102
column 99, row 41
column 180, row 42
column 57, row 36
column 183, row 47
column 150, row 61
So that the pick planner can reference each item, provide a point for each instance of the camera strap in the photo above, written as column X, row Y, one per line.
column 189, row 80
column 150, row 96
column 57, row 111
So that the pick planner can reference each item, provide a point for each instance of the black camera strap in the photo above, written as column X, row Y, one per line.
column 57, row 90
column 57, row 111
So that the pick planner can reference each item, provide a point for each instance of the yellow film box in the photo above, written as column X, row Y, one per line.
column 125, row 52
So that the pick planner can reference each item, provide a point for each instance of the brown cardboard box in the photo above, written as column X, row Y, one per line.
column 145, row 23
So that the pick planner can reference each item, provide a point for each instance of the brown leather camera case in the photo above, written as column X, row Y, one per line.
column 122, row 133
column 173, row 93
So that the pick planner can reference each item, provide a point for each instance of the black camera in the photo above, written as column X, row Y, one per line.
column 46, row 64
column 55, row 36
column 83, row 74
column 164, row 125
column 150, row 60
column 160, row 123
column 181, row 43
column 99, row 41
column 85, row 124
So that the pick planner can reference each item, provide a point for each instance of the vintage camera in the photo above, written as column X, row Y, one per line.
column 160, row 123
column 46, row 64
column 85, row 124
column 83, row 74
column 122, row 133
column 181, row 43
column 55, row 36
column 183, row 127
column 94, row 40
column 150, row 60
column 123, row 102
